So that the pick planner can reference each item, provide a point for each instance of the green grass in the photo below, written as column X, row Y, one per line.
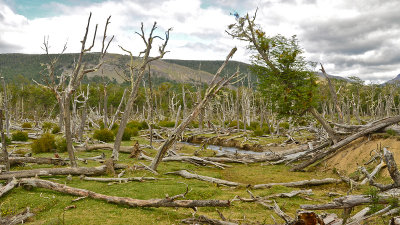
column 49, row 205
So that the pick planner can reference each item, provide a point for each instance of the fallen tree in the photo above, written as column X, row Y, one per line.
column 313, row 182
column 167, row 202
column 20, row 160
column 186, row 174
column 8, row 187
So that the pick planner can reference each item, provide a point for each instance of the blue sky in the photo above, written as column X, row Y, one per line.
column 351, row 38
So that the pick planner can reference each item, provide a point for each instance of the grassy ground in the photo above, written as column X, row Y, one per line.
column 49, row 205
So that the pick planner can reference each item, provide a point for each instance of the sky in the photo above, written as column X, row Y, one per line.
column 350, row 38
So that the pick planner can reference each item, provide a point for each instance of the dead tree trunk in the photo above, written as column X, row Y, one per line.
column 105, row 107
column 167, row 202
column 135, row 83
column 215, row 86
column 333, row 94
column 325, row 125
column 3, row 143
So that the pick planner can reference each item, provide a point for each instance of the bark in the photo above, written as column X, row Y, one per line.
column 68, row 133
column 206, row 220
column 374, row 172
column 21, row 160
column 186, row 174
column 17, row 219
column 8, row 187
column 113, row 119
column 167, row 202
column 215, row 86
column 112, row 179
column 3, row 144
column 325, row 125
column 105, row 107
column 348, row 201
column 88, row 171
column 302, row 183
column 124, row 149
column 281, row 214
column 334, row 148
column 391, row 166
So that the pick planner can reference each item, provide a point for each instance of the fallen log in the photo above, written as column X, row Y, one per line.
column 167, row 202
column 20, row 218
column 374, row 172
column 112, row 179
column 348, row 201
column 8, row 187
column 281, row 214
column 205, row 220
column 20, row 160
column 88, row 171
column 186, row 174
column 198, row 161
column 124, row 149
column 312, row 182
column 334, row 148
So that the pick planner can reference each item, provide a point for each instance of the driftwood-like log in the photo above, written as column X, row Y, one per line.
column 17, row 219
column 282, row 215
column 334, row 148
column 374, row 172
column 302, row 183
column 112, row 179
column 21, row 160
column 186, row 174
column 198, row 161
column 167, row 202
column 348, row 201
column 124, row 149
column 8, row 187
column 206, row 220
column 88, row 171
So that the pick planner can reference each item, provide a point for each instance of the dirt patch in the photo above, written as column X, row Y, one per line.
column 359, row 152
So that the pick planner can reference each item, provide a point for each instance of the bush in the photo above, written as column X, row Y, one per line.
column 104, row 135
column 234, row 124
column 391, row 132
column 266, row 129
column 284, row 125
column 129, row 132
column 19, row 136
column 258, row 132
column 165, row 123
column 26, row 125
column 8, row 141
column 46, row 143
column 46, row 126
column 61, row 144
column 254, row 125
column 56, row 129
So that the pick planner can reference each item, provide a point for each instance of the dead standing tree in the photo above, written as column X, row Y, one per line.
column 65, row 86
column 136, row 79
column 214, row 86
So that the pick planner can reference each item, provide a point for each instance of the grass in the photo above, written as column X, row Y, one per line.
column 49, row 205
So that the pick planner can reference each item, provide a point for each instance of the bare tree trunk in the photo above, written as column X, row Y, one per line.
column 68, row 134
column 325, row 125
column 333, row 94
column 6, row 110
column 105, row 108
column 114, row 118
column 3, row 143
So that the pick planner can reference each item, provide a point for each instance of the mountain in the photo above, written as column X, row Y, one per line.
column 29, row 66
column 394, row 80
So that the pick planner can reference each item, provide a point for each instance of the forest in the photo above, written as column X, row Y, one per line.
column 194, row 142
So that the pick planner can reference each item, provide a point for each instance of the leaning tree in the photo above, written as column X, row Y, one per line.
column 65, row 85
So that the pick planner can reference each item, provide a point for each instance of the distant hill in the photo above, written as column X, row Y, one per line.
column 187, row 71
column 394, row 80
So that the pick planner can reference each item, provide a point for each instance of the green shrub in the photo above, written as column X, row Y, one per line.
column 61, row 144
column 254, row 125
column 26, row 125
column 46, row 126
column 258, row 132
column 8, row 141
column 46, row 143
column 104, row 135
column 266, row 129
column 115, row 126
column 56, row 129
column 129, row 132
column 194, row 124
column 391, row 132
column 19, row 136
column 165, row 123
column 234, row 124
column 284, row 125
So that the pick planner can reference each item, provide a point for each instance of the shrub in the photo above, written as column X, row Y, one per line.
column 46, row 143
column 165, row 123
column 46, row 126
column 26, row 125
column 61, row 144
column 234, row 124
column 254, row 125
column 284, row 125
column 8, row 141
column 258, row 132
column 266, row 129
column 19, row 136
column 56, row 129
column 104, row 135
column 114, row 126
column 194, row 124
column 391, row 132
column 129, row 132
column 133, row 123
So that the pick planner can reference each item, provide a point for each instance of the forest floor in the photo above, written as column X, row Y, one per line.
column 50, row 206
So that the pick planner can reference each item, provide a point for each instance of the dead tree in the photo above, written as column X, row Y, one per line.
column 333, row 94
column 215, row 85
column 135, row 79
column 65, row 86
column 3, row 143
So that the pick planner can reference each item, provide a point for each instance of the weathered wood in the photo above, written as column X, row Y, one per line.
column 333, row 149
column 167, row 202
column 123, row 149
column 21, row 160
column 8, row 187
column 88, row 171
column 391, row 166
column 206, row 220
column 20, row 218
column 374, row 172
column 113, row 179
column 348, row 201
column 281, row 214
column 302, row 183
column 186, row 174
column 3, row 144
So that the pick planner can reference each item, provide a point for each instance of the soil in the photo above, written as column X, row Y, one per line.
column 360, row 151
